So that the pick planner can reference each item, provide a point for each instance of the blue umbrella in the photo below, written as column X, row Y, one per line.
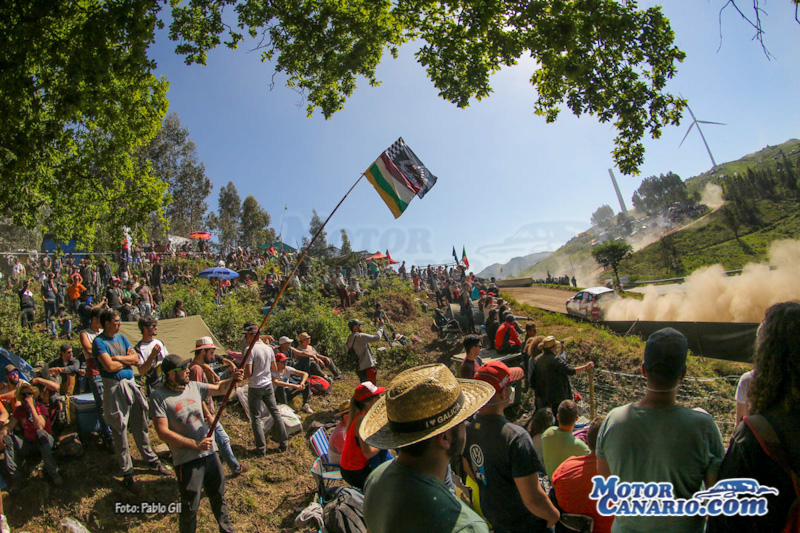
column 218, row 273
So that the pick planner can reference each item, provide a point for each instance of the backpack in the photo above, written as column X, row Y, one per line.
column 318, row 385
column 344, row 511
column 69, row 446
column 769, row 442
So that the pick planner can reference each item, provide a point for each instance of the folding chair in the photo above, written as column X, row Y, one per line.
column 325, row 473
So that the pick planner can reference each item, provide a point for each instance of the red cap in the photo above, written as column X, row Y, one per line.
column 367, row 390
column 280, row 357
column 498, row 375
column 481, row 293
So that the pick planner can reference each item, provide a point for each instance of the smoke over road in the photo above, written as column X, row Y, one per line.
column 710, row 296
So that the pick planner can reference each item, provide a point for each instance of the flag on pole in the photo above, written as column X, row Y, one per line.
column 455, row 256
column 464, row 257
column 398, row 175
column 389, row 257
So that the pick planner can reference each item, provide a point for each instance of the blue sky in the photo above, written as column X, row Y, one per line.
column 509, row 184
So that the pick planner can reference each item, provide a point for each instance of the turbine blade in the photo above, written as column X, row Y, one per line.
column 707, row 122
column 687, row 134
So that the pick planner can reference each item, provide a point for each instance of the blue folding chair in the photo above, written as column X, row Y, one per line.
column 325, row 472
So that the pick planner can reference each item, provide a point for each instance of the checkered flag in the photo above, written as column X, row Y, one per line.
column 412, row 168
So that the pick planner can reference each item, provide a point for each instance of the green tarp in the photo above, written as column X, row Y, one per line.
column 177, row 334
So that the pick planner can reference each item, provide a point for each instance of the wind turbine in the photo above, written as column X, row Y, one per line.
column 697, row 123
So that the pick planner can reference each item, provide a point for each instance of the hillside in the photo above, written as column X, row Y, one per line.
column 513, row 267
column 760, row 218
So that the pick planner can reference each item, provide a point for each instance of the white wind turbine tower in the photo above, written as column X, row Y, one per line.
column 697, row 123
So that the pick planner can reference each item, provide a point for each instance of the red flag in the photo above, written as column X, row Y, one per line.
column 464, row 257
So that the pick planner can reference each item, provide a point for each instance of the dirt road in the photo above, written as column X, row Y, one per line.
column 550, row 299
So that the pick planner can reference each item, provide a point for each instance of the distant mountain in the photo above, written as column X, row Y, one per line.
column 513, row 267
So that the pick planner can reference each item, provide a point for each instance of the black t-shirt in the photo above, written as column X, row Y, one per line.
column 498, row 452
column 26, row 300
column 746, row 459
column 114, row 297
column 551, row 379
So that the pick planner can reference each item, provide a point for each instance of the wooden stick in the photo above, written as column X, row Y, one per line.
column 248, row 351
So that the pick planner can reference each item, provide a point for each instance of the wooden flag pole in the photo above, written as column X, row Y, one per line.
column 591, row 392
column 249, row 350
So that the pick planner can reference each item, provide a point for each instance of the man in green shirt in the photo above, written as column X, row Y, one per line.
column 422, row 414
column 558, row 443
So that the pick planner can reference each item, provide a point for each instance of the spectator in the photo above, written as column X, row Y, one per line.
column 74, row 291
column 151, row 352
column 359, row 342
column 341, row 288
column 558, row 443
column 67, row 367
column 506, row 340
column 128, row 312
column 37, row 436
column 380, row 317
column 655, row 439
column 258, row 371
column 289, row 382
column 542, row 419
column 64, row 322
column 146, row 305
column 114, row 294
column 465, row 302
column 572, row 482
column 550, row 375
column 771, row 430
column 177, row 416
column 530, row 350
column 124, row 405
column 307, row 356
column 49, row 292
column 472, row 358
column 500, row 457
column 339, row 433
column 87, row 337
column 491, row 326
column 409, row 494
column 200, row 371
column 177, row 310
column 742, row 390
column 358, row 457
column 27, row 306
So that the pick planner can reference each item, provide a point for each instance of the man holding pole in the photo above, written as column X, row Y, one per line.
column 176, row 410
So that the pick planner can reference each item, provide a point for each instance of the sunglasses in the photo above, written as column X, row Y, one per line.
column 12, row 373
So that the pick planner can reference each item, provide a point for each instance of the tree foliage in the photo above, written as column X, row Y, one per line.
column 255, row 228
column 346, row 249
column 603, row 217
column 611, row 254
column 173, row 157
column 658, row 192
column 77, row 99
column 321, row 248
column 605, row 58
column 228, row 219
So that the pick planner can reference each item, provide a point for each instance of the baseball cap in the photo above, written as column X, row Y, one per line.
column 497, row 374
column 353, row 322
column 367, row 390
column 280, row 357
column 173, row 361
column 665, row 353
column 249, row 327
column 285, row 340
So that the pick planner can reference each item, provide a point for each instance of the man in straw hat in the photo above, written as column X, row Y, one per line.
column 550, row 374
column 501, row 458
column 422, row 414
column 37, row 436
column 204, row 350
column 656, row 439
column 175, row 407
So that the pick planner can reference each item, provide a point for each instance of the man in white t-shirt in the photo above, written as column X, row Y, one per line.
column 258, row 372
column 289, row 382
column 151, row 351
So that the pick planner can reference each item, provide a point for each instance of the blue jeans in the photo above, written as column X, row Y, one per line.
column 224, row 445
column 96, row 386
column 50, row 312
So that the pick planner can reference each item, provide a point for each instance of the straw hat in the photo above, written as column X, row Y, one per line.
column 421, row 403
column 24, row 385
column 549, row 342
column 303, row 336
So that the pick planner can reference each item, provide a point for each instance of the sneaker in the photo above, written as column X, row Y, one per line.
column 307, row 409
column 161, row 468
column 241, row 470
column 129, row 483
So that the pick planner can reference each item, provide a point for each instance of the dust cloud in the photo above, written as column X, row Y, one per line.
column 712, row 196
column 711, row 296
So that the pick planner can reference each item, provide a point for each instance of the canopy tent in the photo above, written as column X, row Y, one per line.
column 279, row 247
column 376, row 256
column 177, row 334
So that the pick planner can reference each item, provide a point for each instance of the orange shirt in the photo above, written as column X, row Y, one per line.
column 75, row 290
column 572, row 482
